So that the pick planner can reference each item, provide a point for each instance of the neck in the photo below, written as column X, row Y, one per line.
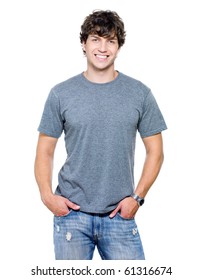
column 100, row 76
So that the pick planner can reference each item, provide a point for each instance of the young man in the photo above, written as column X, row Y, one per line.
column 100, row 112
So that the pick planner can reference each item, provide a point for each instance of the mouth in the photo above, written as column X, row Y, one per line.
column 101, row 57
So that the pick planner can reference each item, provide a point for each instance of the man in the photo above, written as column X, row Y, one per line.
column 100, row 112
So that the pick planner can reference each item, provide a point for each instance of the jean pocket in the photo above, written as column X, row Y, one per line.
column 66, row 215
column 126, row 219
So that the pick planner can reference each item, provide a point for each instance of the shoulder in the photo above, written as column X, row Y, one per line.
column 134, row 86
column 66, row 86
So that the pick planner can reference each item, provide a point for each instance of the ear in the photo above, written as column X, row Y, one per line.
column 84, row 46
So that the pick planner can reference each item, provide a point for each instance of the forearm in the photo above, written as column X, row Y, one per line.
column 58, row 205
column 151, row 169
column 43, row 168
column 44, row 164
column 152, row 165
column 43, row 174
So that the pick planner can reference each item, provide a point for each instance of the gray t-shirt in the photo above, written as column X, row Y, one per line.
column 100, row 122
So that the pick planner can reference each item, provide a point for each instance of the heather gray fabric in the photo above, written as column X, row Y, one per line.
column 100, row 122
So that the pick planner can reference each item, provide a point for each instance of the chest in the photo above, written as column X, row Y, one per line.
column 101, row 111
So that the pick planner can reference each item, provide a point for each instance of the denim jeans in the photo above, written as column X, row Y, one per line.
column 77, row 234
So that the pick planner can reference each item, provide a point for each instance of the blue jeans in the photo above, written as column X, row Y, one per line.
column 77, row 234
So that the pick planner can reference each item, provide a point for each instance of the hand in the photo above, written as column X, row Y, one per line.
column 59, row 205
column 127, row 208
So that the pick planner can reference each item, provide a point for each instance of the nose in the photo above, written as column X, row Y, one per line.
column 102, row 46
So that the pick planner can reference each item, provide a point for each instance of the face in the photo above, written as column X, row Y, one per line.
column 101, row 52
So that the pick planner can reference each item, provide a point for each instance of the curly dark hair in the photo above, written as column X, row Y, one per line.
column 103, row 24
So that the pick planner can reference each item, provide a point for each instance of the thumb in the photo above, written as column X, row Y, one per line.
column 72, row 205
column 115, row 211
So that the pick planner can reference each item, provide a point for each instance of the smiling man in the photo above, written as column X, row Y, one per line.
column 101, row 53
column 100, row 112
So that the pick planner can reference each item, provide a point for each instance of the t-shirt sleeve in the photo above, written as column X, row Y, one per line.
column 151, row 121
column 51, row 122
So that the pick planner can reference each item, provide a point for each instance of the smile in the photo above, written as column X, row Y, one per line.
column 101, row 56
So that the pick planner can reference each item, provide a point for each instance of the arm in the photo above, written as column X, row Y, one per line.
column 152, row 165
column 43, row 174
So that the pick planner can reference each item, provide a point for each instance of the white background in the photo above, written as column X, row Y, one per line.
column 40, row 47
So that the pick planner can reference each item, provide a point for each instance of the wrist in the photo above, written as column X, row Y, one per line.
column 140, row 200
column 46, row 196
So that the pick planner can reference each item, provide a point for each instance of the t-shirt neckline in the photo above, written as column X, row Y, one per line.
column 100, row 84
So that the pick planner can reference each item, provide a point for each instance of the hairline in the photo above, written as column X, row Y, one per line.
column 111, row 36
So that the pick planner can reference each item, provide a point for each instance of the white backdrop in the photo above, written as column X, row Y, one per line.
column 39, row 48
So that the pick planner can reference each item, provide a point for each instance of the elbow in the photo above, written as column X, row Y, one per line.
column 161, row 159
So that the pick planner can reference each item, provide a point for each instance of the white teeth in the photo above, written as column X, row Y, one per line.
column 101, row 56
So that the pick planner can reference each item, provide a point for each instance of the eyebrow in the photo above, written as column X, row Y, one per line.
column 113, row 38
column 108, row 37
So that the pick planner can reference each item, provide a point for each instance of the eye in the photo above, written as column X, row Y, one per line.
column 94, row 39
column 112, row 42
